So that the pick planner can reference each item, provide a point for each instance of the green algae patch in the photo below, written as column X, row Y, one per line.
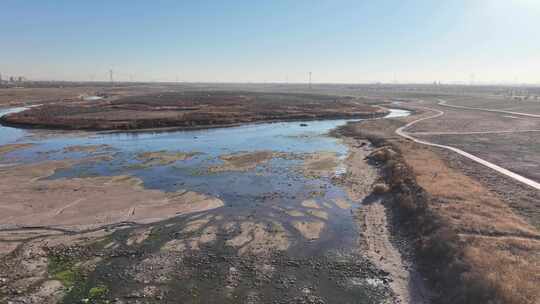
column 97, row 293
column 70, row 271
column 5, row 149
column 64, row 270
column 163, row 158
column 86, row 149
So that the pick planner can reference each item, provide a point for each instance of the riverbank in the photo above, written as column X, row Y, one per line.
column 379, row 241
column 469, row 242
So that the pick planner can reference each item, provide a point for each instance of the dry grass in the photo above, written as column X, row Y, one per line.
column 509, row 264
column 500, row 247
column 191, row 109
column 471, row 245
column 16, row 96
column 463, row 202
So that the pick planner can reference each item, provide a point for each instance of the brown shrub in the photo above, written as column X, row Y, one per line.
column 439, row 251
column 380, row 188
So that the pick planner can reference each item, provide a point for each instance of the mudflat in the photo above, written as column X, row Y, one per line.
column 80, row 203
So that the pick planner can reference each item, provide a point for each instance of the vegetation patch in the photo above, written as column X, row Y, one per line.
column 98, row 294
column 192, row 109
column 70, row 266
column 163, row 158
column 65, row 270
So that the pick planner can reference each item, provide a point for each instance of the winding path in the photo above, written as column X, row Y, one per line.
column 403, row 133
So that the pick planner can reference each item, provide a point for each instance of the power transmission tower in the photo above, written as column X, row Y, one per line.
column 111, row 76
column 310, row 80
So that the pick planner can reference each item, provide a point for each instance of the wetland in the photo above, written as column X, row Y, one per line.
column 258, row 213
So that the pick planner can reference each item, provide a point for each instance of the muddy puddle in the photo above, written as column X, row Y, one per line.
column 286, row 232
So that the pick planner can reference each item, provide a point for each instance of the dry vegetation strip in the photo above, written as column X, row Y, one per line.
column 495, row 249
column 470, row 244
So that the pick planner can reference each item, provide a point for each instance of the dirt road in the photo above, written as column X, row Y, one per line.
column 438, row 113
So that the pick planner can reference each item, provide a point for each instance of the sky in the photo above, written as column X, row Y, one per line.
column 339, row 41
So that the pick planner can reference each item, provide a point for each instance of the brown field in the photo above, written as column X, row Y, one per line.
column 518, row 152
column 509, row 141
column 70, row 93
column 523, row 200
column 22, row 96
column 483, row 224
column 191, row 110
column 531, row 105
column 458, row 120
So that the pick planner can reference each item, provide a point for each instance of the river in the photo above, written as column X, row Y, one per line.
column 265, row 185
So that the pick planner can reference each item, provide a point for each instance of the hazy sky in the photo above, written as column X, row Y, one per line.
column 275, row 40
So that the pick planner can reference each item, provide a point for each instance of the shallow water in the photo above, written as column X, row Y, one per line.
column 279, row 178
column 7, row 134
column 283, row 137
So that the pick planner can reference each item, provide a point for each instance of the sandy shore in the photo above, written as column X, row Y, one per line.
column 29, row 199
column 376, row 239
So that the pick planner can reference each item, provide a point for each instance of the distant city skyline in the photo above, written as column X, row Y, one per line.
column 466, row 41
